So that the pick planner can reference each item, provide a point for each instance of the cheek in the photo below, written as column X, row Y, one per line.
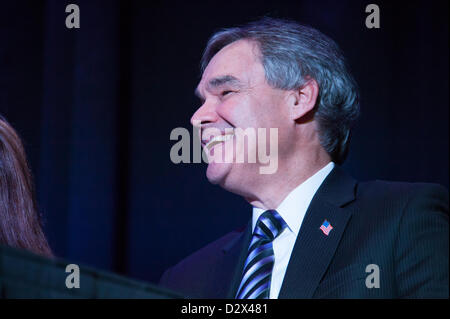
column 249, row 111
column 226, row 110
column 237, row 111
column 262, row 115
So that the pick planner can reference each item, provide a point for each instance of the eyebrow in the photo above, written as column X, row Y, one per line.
column 219, row 81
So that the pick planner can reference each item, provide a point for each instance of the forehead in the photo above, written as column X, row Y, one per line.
column 239, row 59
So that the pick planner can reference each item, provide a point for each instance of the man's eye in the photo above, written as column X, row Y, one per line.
column 225, row 93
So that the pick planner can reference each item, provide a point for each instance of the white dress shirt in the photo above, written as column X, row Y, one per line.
column 292, row 209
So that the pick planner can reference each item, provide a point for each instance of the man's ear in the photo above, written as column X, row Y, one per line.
column 302, row 101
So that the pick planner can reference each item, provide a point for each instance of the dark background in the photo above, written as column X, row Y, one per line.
column 95, row 107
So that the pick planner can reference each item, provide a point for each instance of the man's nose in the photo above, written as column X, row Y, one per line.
column 205, row 114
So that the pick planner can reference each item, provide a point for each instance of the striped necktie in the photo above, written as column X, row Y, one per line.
column 255, row 283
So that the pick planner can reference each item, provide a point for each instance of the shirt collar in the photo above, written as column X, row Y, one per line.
column 293, row 208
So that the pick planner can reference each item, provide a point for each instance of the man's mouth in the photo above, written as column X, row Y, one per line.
column 218, row 139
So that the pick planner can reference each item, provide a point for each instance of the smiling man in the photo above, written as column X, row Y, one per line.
column 314, row 230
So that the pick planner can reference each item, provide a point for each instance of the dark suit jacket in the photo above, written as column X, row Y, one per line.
column 400, row 227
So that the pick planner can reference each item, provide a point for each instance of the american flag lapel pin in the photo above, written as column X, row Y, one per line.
column 326, row 227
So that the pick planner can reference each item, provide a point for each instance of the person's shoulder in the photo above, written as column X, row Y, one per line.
column 213, row 249
column 401, row 190
column 208, row 255
column 196, row 274
column 403, row 196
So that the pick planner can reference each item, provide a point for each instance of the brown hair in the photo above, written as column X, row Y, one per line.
column 20, row 223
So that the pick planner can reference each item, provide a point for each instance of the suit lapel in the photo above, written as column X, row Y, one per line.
column 313, row 250
column 235, row 255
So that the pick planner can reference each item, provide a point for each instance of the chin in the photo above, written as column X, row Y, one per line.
column 217, row 172
column 230, row 180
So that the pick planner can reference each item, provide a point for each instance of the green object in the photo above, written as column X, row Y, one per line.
column 26, row 275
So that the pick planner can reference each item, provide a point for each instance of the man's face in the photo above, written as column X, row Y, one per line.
column 235, row 94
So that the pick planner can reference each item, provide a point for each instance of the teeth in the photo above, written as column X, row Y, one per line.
column 218, row 139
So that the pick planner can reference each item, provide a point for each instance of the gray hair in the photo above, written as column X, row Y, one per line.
column 292, row 54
